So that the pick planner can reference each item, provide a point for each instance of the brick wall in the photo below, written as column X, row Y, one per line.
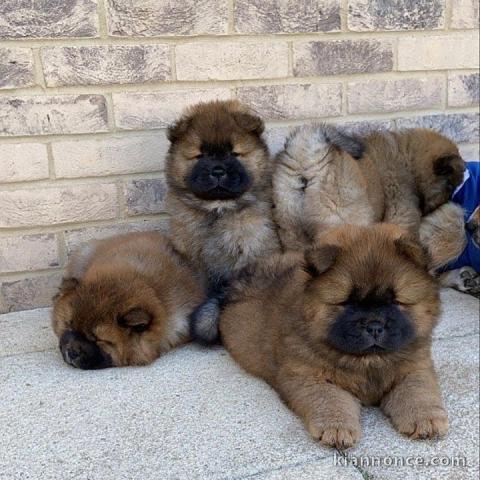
column 87, row 88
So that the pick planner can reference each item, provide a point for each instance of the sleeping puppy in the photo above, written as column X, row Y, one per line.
column 219, row 177
column 325, row 178
column 124, row 301
column 451, row 235
column 454, row 247
column 349, row 326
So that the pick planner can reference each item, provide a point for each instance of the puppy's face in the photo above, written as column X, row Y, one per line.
column 108, row 321
column 216, row 154
column 369, row 293
column 439, row 168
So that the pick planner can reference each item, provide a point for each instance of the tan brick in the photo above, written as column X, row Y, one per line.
column 158, row 109
column 77, row 237
column 111, row 156
column 463, row 89
column 43, row 115
column 23, row 162
column 364, row 127
column 16, row 68
column 394, row 95
column 286, row 16
column 438, row 52
column 231, row 61
column 106, row 64
column 460, row 127
column 158, row 17
column 56, row 205
column 143, row 197
column 464, row 14
column 34, row 292
column 371, row 15
column 48, row 19
column 279, row 102
column 341, row 57
column 28, row 252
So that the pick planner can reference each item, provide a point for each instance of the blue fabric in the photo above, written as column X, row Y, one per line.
column 468, row 196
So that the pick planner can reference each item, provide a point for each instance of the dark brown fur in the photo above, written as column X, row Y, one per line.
column 219, row 236
column 129, row 295
column 277, row 325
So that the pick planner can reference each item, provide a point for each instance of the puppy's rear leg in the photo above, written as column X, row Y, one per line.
column 331, row 414
column 464, row 279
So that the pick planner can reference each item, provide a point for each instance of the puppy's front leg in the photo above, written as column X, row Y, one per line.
column 331, row 414
column 204, row 320
column 415, row 406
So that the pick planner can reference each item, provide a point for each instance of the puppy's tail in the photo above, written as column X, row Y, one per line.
column 204, row 321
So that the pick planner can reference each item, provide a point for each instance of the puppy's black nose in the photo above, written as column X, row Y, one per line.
column 218, row 171
column 375, row 329
column 80, row 352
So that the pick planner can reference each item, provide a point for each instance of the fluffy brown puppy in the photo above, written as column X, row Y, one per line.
column 352, row 326
column 124, row 301
column 325, row 178
column 219, row 178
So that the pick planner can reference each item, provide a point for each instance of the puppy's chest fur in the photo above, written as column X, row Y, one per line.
column 225, row 242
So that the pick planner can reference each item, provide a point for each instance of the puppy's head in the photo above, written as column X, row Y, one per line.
column 437, row 166
column 369, row 293
column 217, row 154
column 109, row 319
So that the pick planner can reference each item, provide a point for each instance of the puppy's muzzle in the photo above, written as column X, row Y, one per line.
column 80, row 352
column 364, row 330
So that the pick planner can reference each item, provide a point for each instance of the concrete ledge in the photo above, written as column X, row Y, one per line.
column 194, row 414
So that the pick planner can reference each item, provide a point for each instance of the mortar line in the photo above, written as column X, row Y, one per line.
column 166, row 87
column 225, row 38
column 38, row 68
column 102, row 19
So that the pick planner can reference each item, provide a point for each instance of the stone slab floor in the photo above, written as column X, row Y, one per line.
column 194, row 414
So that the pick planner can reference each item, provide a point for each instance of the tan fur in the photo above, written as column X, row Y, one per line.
column 106, row 279
column 318, row 184
column 443, row 234
column 276, row 328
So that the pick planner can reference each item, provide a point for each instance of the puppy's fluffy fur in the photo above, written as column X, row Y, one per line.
column 325, row 178
column 351, row 326
column 124, row 301
column 219, row 178
column 443, row 234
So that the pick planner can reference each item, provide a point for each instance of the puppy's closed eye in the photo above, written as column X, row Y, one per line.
column 137, row 319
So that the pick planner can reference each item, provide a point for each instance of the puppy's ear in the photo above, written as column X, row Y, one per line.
column 136, row 319
column 409, row 248
column 443, row 166
column 320, row 259
column 250, row 123
column 348, row 143
column 68, row 285
column 178, row 129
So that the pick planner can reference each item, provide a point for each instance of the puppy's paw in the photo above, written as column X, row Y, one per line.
column 338, row 435
column 204, row 322
column 469, row 280
column 422, row 426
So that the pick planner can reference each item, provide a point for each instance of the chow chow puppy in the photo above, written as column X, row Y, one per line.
column 324, row 178
column 124, row 301
column 219, row 177
column 453, row 247
column 351, row 326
